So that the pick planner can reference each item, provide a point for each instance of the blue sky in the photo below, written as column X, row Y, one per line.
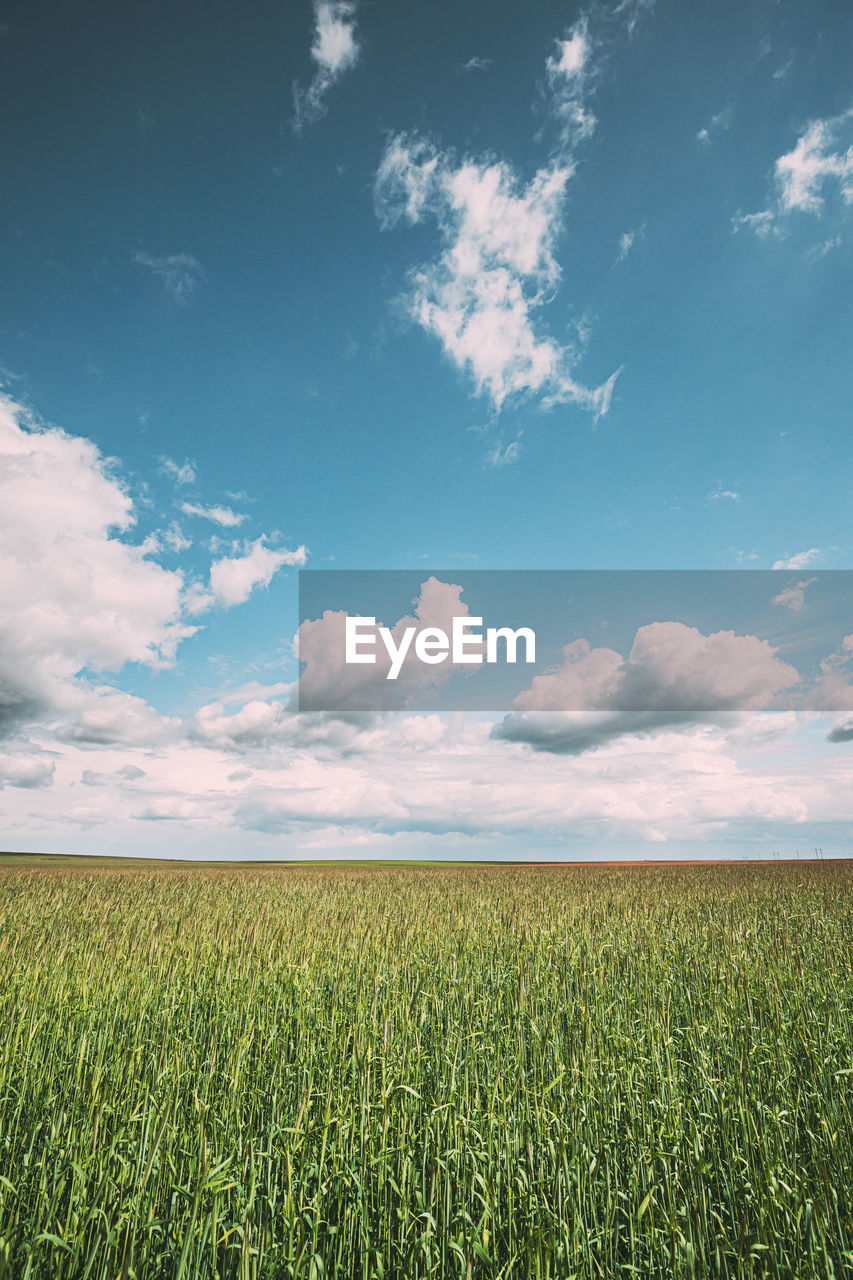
column 388, row 286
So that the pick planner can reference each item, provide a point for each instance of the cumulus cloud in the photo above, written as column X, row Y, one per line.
column 76, row 596
column 174, row 538
column 833, row 690
column 818, row 170
column 475, row 786
column 80, row 598
column 180, row 274
column 127, row 774
column 335, row 49
column 842, row 731
column 102, row 716
column 793, row 597
column 266, row 724
column 798, row 561
column 414, row 776
column 674, row 676
column 234, row 578
column 219, row 515
column 28, row 772
column 328, row 682
column 482, row 296
column 259, row 722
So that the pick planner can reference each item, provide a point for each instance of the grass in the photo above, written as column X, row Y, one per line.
column 425, row 1072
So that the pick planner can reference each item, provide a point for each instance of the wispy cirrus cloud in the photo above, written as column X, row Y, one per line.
column 180, row 274
column 717, row 124
column 626, row 244
column 224, row 516
column 724, row 495
column 478, row 64
column 503, row 455
column 482, row 297
column 335, row 49
column 568, row 71
column 180, row 472
column 820, row 163
column 816, row 172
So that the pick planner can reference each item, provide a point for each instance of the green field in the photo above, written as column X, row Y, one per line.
column 351, row 1071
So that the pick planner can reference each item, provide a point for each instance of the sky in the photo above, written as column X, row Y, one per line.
column 429, row 288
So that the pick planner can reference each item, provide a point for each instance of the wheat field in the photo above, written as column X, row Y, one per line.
column 409, row 1072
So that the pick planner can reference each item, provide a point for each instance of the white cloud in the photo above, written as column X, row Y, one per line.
column 671, row 785
column 258, row 722
column 674, row 676
column 335, row 49
column 762, row 223
column 28, row 772
column 128, row 774
column 819, row 251
column 478, row 64
column 805, row 173
column 180, row 472
column 219, row 515
column 180, row 273
column 76, row 596
column 79, row 598
column 717, row 124
column 741, row 555
column 568, row 72
column 626, row 244
column 729, row 495
column 793, row 597
column 630, row 11
column 798, row 561
column 481, row 296
column 571, row 74
column 833, row 690
column 842, row 731
column 102, row 715
column 327, row 681
column 817, row 169
column 174, row 538
column 416, row 777
column 504, row 455
column 233, row 579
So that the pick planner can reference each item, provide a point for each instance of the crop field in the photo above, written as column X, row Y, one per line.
column 410, row 1072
